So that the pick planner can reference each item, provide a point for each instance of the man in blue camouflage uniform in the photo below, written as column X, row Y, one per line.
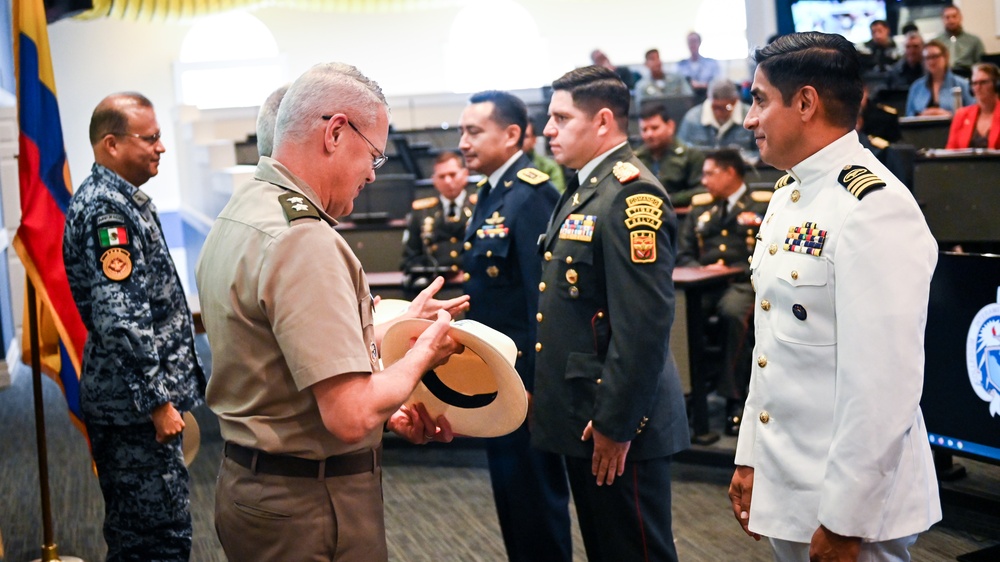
column 140, row 371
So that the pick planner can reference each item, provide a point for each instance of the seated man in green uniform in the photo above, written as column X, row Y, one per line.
column 676, row 165
column 720, row 230
column 432, row 241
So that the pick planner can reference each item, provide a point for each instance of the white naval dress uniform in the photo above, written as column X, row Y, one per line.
column 833, row 427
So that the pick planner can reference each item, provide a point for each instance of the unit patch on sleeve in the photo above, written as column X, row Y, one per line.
column 643, row 244
column 116, row 264
column 112, row 236
column 643, row 212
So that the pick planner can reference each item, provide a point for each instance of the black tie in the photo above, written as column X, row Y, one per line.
column 451, row 209
column 723, row 209
column 480, row 211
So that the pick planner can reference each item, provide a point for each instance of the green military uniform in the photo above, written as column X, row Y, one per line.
column 551, row 168
column 708, row 236
column 432, row 241
column 678, row 169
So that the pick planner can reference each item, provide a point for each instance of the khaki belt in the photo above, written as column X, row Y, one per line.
column 260, row 462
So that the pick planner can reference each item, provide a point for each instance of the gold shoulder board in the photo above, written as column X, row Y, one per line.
column 860, row 181
column 783, row 181
column 296, row 206
column 532, row 176
column 878, row 142
column 701, row 199
column 625, row 172
column 888, row 109
column 760, row 195
column 425, row 203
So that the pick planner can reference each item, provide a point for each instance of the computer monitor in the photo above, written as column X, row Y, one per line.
column 961, row 399
column 388, row 198
column 956, row 191
column 850, row 18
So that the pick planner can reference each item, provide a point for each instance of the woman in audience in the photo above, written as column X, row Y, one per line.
column 978, row 125
column 932, row 94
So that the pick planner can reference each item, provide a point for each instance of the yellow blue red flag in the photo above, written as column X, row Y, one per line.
column 45, row 194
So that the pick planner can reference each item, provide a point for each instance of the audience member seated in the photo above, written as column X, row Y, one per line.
column 677, row 166
column 699, row 71
column 435, row 228
column 543, row 163
column 966, row 49
column 978, row 125
column 718, row 122
column 880, row 52
column 878, row 128
column 658, row 82
column 933, row 94
column 721, row 230
column 910, row 68
column 598, row 58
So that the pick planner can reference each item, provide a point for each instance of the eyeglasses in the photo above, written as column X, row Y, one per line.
column 980, row 82
column 933, row 56
column 377, row 161
column 151, row 139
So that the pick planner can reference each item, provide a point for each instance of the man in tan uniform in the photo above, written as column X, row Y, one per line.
column 296, row 379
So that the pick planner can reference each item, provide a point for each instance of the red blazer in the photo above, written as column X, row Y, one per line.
column 965, row 122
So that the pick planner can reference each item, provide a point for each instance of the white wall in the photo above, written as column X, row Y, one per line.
column 404, row 52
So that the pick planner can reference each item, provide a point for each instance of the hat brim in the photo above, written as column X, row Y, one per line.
column 387, row 309
column 482, row 365
column 191, row 440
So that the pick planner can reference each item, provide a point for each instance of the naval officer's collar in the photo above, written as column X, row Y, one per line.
column 589, row 167
column 819, row 164
column 271, row 171
column 497, row 174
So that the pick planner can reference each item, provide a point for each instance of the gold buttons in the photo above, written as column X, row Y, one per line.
column 548, row 256
column 466, row 277
column 574, row 292
column 454, row 268
column 795, row 196
column 725, row 232
column 493, row 271
column 722, row 247
column 599, row 381
column 519, row 353
column 538, row 346
column 600, row 314
column 571, row 276
column 764, row 417
column 489, row 253
column 454, row 253
column 541, row 286
column 795, row 274
column 454, row 240
column 538, row 317
column 434, row 248
column 762, row 361
column 749, row 259
column 467, row 245
column 569, row 259
column 765, row 304
column 772, row 249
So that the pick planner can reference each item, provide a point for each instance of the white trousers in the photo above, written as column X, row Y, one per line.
column 896, row 550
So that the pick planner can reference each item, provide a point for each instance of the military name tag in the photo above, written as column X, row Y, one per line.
column 578, row 227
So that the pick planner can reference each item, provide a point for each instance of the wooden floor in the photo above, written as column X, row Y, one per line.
column 438, row 500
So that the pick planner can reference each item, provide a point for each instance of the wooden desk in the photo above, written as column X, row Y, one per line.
column 693, row 282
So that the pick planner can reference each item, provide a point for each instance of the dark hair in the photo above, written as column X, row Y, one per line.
column 109, row 119
column 883, row 23
column 508, row 109
column 594, row 88
column 728, row 158
column 649, row 111
column 449, row 155
column 908, row 28
column 651, row 52
column 828, row 62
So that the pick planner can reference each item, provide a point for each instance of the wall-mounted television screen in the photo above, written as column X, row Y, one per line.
column 850, row 18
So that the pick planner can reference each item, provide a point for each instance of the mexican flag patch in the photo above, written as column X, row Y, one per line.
column 113, row 236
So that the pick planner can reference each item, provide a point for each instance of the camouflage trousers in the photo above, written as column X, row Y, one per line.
column 147, row 512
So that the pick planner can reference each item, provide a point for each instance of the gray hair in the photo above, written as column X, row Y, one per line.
column 722, row 89
column 326, row 89
column 265, row 121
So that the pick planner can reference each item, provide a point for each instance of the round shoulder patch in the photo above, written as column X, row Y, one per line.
column 117, row 264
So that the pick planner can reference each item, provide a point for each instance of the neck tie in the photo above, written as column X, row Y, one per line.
column 479, row 214
column 723, row 209
column 451, row 209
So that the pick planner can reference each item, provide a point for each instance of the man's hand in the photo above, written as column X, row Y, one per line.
column 414, row 424
column 740, row 491
column 827, row 546
column 168, row 422
column 435, row 344
column 609, row 455
column 426, row 306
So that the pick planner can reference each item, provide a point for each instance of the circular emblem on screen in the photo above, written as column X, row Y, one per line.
column 982, row 355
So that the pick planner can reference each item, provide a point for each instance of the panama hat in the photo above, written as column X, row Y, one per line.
column 478, row 390
column 191, row 439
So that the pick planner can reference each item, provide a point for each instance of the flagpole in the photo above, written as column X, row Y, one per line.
column 49, row 551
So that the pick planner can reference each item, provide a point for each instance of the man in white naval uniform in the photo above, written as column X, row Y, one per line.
column 833, row 461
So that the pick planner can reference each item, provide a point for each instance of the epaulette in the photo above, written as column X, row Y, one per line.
column 473, row 198
column 532, row 176
column 625, row 172
column 761, row 195
column 700, row 199
column 425, row 203
column 888, row 109
column 483, row 181
column 860, row 181
column 296, row 206
column 783, row 181
column 878, row 142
